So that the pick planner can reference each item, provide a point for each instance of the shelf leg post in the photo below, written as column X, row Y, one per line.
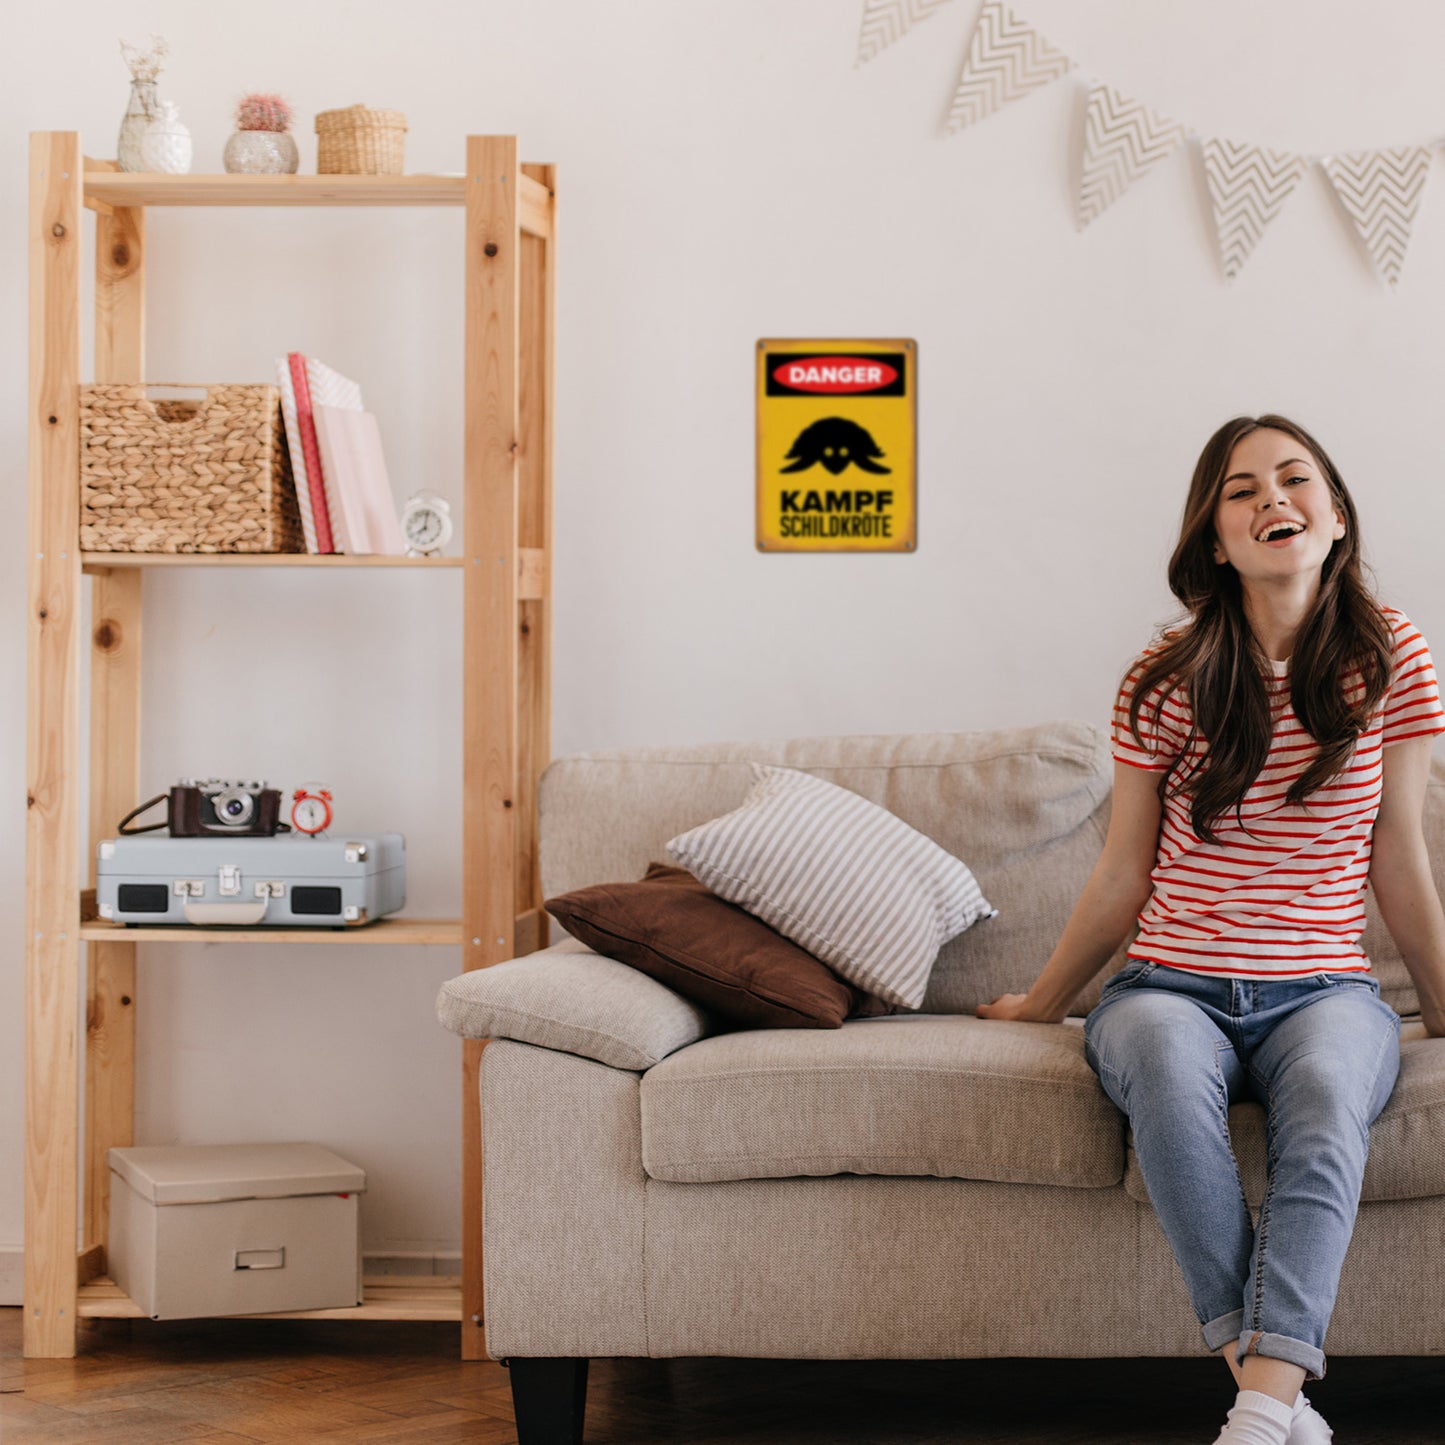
column 537, row 296
column 489, row 700
column 52, row 892
column 115, row 638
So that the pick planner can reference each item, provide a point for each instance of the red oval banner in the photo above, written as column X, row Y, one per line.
column 834, row 375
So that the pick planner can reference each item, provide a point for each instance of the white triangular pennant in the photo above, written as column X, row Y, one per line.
column 884, row 21
column 1007, row 58
column 1122, row 140
column 1381, row 190
column 1248, row 186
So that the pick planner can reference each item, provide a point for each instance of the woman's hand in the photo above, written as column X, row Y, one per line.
column 1012, row 1006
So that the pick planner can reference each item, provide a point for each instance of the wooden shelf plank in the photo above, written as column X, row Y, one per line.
column 143, row 188
column 93, row 561
column 146, row 188
column 386, row 1297
column 385, row 930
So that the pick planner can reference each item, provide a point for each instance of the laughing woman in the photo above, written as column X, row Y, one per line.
column 1271, row 758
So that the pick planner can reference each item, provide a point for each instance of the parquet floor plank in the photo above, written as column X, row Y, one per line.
column 242, row 1382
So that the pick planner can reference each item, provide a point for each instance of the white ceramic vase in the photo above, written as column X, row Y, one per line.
column 261, row 152
column 166, row 146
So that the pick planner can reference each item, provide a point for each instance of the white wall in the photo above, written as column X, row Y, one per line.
column 727, row 174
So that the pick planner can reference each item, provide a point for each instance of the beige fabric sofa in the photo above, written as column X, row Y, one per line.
column 915, row 1186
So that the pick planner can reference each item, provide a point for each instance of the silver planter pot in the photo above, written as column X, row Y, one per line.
column 261, row 153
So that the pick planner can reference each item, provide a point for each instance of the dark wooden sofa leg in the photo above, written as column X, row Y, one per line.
column 549, row 1397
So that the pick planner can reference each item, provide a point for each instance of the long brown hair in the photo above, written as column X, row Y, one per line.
column 1219, row 663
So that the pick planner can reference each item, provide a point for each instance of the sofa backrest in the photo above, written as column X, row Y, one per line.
column 1026, row 808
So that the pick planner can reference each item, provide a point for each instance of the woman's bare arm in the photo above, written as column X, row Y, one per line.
column 1117, row 890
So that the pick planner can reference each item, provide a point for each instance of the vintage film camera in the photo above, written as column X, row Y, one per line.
column 214, row 806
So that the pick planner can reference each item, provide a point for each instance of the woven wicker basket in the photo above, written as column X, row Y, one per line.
column 186, row 476
column 359, row 142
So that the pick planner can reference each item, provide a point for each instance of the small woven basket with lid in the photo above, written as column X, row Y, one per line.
column 359, row 142
column 186, row 476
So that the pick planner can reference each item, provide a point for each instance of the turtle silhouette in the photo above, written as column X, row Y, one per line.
column 837, row 443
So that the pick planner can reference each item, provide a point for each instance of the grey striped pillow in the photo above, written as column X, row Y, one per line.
column 845, row 879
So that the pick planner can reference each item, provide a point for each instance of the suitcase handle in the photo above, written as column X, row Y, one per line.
column 238, row 913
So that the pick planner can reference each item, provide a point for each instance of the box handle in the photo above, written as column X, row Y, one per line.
column 260, row 1259
column 151, row 404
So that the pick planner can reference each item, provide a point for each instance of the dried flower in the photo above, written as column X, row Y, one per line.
column 144, row 64
column 263, row 112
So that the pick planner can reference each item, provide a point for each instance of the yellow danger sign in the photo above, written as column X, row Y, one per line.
column 837, row 425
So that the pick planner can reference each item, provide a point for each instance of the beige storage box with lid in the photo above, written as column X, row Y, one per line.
column 235, row 1229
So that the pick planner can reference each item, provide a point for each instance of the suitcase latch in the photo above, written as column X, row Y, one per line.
column 229, row 880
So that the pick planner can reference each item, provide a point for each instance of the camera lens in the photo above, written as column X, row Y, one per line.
column 234, row 807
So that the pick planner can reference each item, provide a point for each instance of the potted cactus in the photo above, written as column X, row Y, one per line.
column 262, row 143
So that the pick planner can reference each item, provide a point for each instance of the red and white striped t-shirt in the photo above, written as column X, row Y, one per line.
column 1286, row 899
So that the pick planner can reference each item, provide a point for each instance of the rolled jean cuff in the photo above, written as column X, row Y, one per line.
column 1282, row 1347
column 1223, row 1331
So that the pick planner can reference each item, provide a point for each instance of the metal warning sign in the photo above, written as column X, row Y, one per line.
column 837, row 424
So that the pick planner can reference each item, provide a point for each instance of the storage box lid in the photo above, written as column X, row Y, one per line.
column 210, row 1173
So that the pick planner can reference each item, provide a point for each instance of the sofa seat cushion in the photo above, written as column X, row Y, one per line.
column 952, row 1097
column 1407, row 1141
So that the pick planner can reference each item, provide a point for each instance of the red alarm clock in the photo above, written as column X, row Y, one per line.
column 311, row 809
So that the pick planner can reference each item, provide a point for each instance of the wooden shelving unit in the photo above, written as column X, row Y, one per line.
column 508, row 269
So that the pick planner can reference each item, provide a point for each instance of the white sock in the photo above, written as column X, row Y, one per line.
column 1257, row 1419
column 1307, row 1425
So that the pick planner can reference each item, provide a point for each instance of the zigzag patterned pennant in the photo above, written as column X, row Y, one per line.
column 1248, row 186
column 1122, row 140
column 1381, row 190
column 884, row 21
column 1007, row 58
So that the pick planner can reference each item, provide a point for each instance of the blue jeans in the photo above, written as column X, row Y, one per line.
column 1173, row 1050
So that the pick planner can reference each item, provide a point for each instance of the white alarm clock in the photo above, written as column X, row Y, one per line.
column 426, row 524
column 311, row 809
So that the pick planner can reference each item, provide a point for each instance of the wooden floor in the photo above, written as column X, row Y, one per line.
column 137, row 1382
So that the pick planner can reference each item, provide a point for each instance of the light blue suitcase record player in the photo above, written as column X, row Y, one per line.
column 251, row 882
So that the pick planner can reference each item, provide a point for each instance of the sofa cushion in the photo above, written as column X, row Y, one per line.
column 1407, row 1141
column 674, row 929
column 951, row 1097
column 842, row 877
column 575, row 1001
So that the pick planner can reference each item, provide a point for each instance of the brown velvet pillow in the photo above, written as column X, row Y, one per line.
column 670, row 927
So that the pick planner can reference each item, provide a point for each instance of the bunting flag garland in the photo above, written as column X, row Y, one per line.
column 1122, row 140
column 1381, row 190
column 1248, row 186
column 1007, row 58
column 885, row 21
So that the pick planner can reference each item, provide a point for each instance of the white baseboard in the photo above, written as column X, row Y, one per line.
column 412, row 1263
column 12, row 1268
column 12, row 1274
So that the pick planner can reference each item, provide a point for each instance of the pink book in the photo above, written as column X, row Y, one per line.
column 363, row 510
column 306, row 425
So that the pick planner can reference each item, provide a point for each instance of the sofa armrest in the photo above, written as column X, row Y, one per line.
column 573, row 1000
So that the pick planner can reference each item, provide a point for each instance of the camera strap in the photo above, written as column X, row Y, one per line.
column 144, row 807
